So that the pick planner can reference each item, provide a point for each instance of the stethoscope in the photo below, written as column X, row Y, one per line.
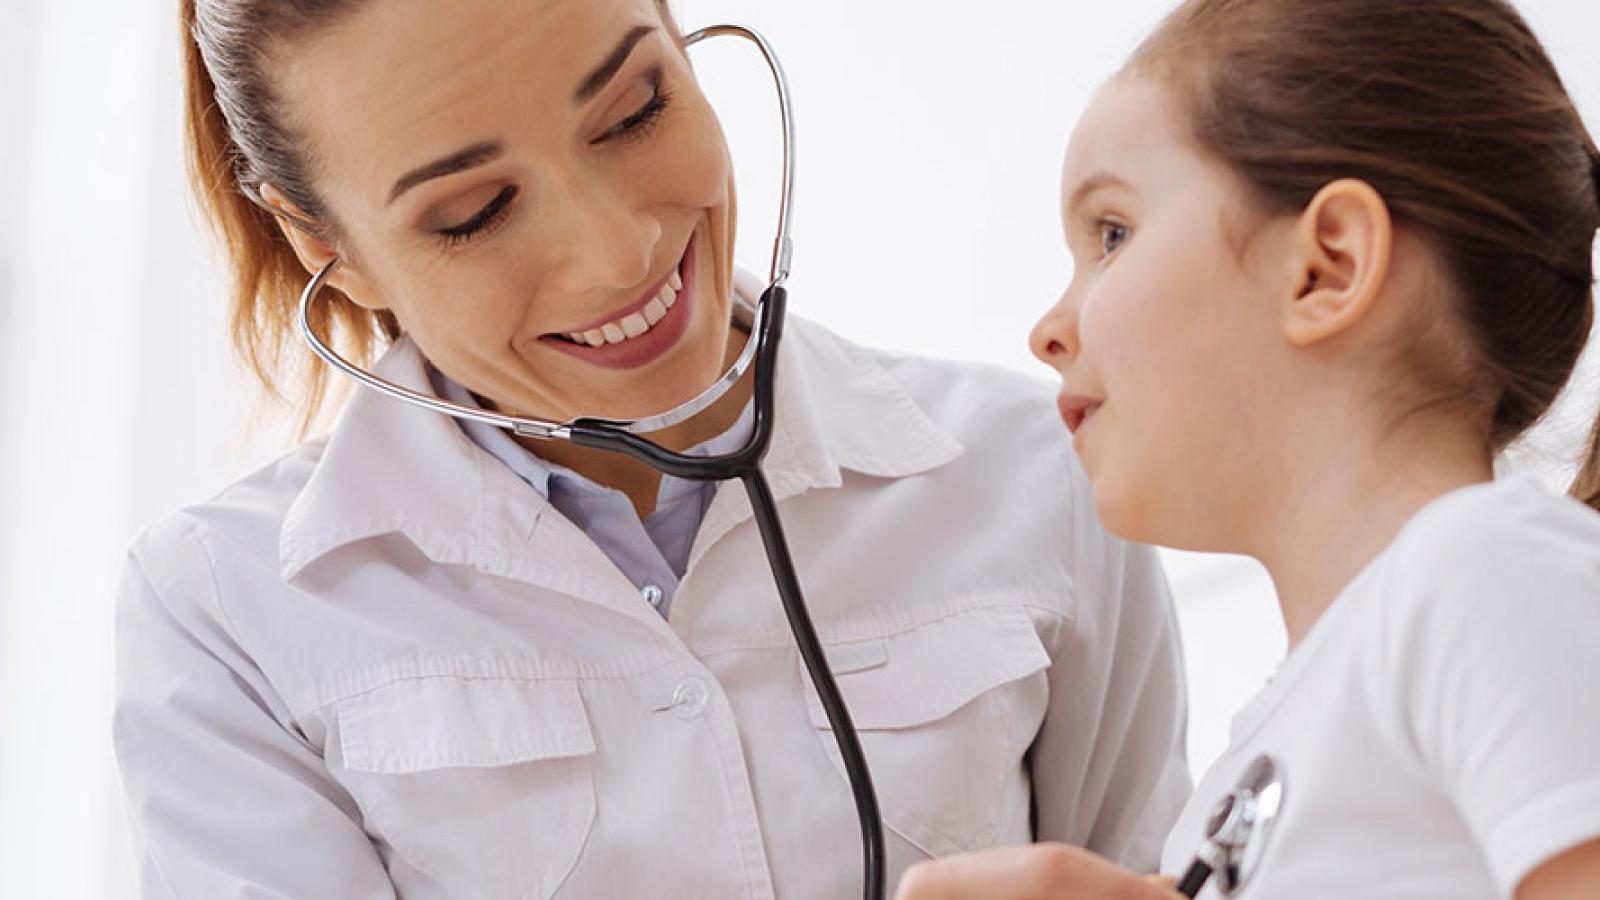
column 1238, row 831
column 627, row 437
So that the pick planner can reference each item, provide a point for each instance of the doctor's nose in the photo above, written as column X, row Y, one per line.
column 1054, row 339
column 601, row 240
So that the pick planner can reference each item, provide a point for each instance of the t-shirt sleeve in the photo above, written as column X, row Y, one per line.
column 1498, row 655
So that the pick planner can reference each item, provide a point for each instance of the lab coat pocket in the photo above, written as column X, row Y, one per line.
column 485, row 784
column 946, row 712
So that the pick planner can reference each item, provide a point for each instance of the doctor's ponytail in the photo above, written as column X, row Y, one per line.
column 1453, row 112
column 235, row 143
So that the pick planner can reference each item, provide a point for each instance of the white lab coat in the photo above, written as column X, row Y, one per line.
column 385, row 667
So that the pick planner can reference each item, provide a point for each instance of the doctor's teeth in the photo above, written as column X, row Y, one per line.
column 631, row 326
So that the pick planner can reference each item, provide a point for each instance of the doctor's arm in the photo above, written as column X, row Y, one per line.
column 227, row 800
column 1109, row 766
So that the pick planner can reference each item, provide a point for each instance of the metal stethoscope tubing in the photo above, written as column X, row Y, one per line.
column 626, row 437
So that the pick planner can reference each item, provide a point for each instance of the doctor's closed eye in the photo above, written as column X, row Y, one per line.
column 636, row 126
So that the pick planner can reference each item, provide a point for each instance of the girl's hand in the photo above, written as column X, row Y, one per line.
column 1037, row 872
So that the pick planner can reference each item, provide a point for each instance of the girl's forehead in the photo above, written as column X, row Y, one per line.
column 1131, row 132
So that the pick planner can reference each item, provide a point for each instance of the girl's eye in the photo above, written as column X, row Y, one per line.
column 1112, row 236
column 638, row 125
column 486, row 218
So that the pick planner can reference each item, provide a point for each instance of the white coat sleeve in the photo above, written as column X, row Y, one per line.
column 1109, row 765
column 226, row 798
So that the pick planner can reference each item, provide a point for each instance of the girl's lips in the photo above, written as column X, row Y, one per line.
column 1076, row 410
column 648, row 347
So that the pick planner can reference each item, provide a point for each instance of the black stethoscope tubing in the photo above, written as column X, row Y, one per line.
column 744, row 465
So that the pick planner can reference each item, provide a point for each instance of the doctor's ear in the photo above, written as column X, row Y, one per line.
column 315, row 250
column 1341, row 246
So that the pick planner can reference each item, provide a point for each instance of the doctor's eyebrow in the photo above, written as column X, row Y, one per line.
column 460, row 161
column 488, row 151
column 595, row 81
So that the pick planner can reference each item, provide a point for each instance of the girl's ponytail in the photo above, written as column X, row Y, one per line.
column 1587, row 485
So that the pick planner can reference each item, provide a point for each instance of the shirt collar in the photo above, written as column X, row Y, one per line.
column 388, row 467
column 540, row 473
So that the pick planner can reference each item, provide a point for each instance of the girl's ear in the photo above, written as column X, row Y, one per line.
column 315, row 251
column 1342, row 244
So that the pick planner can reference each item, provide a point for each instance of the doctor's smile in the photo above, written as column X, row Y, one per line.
column 642, row 332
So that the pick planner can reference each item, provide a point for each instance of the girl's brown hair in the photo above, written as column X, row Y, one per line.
column 1453, row 112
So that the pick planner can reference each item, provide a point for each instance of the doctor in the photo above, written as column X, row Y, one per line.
column 422, row 660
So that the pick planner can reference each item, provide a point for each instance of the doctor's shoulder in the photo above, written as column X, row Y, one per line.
column 1017, row 486
column 1005, row 421
column 174, row 560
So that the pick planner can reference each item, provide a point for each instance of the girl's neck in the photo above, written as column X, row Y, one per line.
column 1345, row 510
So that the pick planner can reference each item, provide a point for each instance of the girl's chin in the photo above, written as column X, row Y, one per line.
column 1125, row 514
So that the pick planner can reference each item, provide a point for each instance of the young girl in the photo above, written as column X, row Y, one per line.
column 1331, row 259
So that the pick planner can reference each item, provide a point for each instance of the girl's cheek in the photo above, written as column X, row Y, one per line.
column 1098, row 324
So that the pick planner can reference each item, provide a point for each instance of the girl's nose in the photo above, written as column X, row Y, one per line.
column 1054, row 340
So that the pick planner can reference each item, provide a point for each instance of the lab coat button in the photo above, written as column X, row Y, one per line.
column 654, row 595
column 690, row 698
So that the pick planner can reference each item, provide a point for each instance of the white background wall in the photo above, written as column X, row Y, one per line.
column 931, row 133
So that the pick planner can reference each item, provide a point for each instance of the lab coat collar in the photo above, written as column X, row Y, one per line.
column 390, row 468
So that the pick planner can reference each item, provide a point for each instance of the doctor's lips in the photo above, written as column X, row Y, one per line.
column 1076, row 410
column 638, row 333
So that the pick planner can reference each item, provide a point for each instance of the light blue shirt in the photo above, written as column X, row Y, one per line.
column 653, row 553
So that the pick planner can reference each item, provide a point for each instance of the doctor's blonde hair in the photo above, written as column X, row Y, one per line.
column 237, row 139
column 1453, row 112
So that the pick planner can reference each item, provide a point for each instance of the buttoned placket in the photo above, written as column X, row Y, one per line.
column 690, row 691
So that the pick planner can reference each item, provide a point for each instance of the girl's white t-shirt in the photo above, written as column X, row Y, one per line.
column 1438, row 729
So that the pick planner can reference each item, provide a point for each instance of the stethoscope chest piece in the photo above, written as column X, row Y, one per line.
column 1238, row 831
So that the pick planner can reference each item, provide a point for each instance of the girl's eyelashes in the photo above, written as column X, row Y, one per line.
column 486, row 219
column 1109, row 234
column 639, row 125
